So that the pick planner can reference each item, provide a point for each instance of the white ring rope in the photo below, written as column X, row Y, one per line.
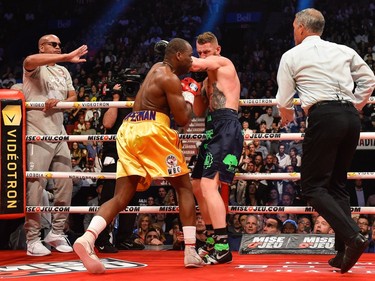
column 129, row 104
column 175, row 209
column 243, row 176
column 196, row 137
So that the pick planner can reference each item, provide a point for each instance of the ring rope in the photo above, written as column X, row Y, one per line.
column 244, row 176
column 175, row 209
column 129, row 104
column 258, row 136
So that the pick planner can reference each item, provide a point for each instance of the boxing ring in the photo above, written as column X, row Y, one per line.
column 168, row 265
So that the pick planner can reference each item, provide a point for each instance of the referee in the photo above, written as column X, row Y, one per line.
column 333, row 82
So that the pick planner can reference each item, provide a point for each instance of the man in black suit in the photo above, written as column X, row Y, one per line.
column 358, row 193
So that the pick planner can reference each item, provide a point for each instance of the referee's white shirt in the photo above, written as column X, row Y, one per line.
column 320, row 70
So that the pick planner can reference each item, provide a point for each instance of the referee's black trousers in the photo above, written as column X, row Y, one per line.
column 328, row 148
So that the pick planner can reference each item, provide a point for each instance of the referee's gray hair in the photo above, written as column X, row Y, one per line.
column 311, row 19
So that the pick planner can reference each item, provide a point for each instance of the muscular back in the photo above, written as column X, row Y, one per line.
column 161, row 91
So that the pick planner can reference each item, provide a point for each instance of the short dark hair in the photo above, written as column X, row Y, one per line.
column 176, row 45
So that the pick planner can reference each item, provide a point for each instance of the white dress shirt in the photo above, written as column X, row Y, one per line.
column 319, row 71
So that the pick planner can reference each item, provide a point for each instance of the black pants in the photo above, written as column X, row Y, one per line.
column 328, row 149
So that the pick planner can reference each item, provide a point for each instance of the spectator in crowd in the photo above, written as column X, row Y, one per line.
column 258, row 163
column 153, row 238
column 251, row 194
column 246, row 132
column 304, row 224
column 240, row 192
column 242, row 220
column 161, row 232
column 269, row 164
column 77, row 182
column 79, row 125
column 286, row 199
column 45, row 80
column 321, row 226
column 246, row 116
column 177, row 236
column 151, row 201
column 144, row 223
column 162, row 192
column 260, row 148
column 295, row 159
column 296, row 144
column 76, row 153
column 289, row 227
column 235, row 226
column 91, row 151
column 272, row 225
column 273, row 197
column 253, row 224
column 284, row 159
column 359, row 193
column 364, row 225
column 267, row 117
column 282, row 216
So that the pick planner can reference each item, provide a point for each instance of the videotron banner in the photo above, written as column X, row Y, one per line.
column 12, row 154
column 287, row 244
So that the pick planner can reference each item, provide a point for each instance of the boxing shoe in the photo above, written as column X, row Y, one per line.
column 207, row 248
column 191, row 258
column 224, row 256
column 59, row 241
column 353, row 252
column 86, row 253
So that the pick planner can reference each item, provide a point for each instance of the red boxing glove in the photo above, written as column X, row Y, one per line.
column 190, row 85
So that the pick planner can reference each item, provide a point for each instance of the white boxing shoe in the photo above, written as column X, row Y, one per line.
column 86, row 253
column 192, row 259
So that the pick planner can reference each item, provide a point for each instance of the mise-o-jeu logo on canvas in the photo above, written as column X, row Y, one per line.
column 42, row 269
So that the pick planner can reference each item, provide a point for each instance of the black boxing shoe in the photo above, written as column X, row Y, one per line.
column 337, row 260
column 353, row 252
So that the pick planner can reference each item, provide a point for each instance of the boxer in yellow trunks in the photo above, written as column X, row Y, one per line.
column 147, row 147
column 152, row 149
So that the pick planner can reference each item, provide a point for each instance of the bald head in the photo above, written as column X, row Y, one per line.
column 176, row 45
column 48, row 38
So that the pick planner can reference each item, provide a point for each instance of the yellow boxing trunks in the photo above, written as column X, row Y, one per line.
column 148, row 147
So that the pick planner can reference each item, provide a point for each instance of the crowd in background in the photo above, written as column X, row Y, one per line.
column 124, row 46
